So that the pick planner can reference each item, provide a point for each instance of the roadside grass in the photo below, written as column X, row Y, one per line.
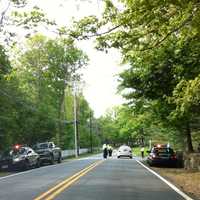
column 5, row 174
column 136, row 151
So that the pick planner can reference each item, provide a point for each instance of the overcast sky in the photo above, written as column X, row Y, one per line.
column 100, row 75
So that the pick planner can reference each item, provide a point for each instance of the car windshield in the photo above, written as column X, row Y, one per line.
column 124, row 147
column 20, row 151
column 41, row 146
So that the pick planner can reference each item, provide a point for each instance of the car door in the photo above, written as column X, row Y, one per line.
column 31, row 156
column 54, row 150
column 35, row 157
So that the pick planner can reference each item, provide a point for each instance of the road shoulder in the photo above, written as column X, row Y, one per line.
column 185, row 181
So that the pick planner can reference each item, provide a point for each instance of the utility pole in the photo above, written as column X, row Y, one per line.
column 142, row 137
column 75, row 123
column 91, row 145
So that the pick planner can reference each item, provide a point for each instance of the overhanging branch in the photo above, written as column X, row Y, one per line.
column 3, row 15
column 158, row 43
column 106, row 32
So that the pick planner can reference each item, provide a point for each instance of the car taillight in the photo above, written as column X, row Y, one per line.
column 173, row 157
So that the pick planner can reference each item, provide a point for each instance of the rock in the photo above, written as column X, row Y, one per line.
column 192, row 161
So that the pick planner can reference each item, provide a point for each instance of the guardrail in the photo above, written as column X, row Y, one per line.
column 71, row 152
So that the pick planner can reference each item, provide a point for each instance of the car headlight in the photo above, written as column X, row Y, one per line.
column 18, row 159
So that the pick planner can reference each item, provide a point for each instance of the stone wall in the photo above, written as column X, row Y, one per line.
column 192, row 161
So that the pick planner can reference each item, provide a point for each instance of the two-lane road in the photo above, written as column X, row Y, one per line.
column 87, row 179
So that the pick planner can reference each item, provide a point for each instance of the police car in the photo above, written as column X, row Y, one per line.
column 19, row 157
column 162, row 155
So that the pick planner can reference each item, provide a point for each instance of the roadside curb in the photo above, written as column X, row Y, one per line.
column 185, row 196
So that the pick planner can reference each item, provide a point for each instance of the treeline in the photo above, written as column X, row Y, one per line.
column 38, row 78
column 160, row 43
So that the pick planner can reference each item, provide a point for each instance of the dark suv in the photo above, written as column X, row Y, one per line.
column 48, row 152
column 162, row 155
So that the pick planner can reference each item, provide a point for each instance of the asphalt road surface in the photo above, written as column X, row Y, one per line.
column 87, row 179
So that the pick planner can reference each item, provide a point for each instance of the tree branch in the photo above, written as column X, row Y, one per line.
column 106, row 32
column 170, row 32
column 3, row 15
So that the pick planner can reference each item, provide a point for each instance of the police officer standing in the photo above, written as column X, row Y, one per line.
column 110, row 149
column 105, row 151
column 142, row 152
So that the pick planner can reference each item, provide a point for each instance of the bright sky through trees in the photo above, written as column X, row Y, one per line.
column 100, row 81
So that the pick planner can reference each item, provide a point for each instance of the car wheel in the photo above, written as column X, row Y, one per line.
column 26, row 165
column 131, row 157
column 38, row 163
column 52, row 160
column 118, row 156
column 150, row 164
column 60, row 159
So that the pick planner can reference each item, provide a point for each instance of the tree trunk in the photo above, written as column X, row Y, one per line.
column 189, row 138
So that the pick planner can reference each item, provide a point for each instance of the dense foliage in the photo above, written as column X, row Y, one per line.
column 36, row 83
column 160, row 41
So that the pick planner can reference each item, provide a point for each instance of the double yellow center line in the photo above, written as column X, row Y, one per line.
column 56, row 190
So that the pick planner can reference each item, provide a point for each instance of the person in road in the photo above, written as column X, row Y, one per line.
column 142, row 152
column 105, row 151
column 110, row 150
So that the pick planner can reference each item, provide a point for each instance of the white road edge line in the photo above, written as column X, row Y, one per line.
column 185, row 196
column 16, row 174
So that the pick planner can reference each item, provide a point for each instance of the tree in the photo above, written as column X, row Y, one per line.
column 13, row 104
column 186, row 99
column 15, row 16
column 140, row 25
column 155, row 74
column 160, row 41
column 46, row 69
